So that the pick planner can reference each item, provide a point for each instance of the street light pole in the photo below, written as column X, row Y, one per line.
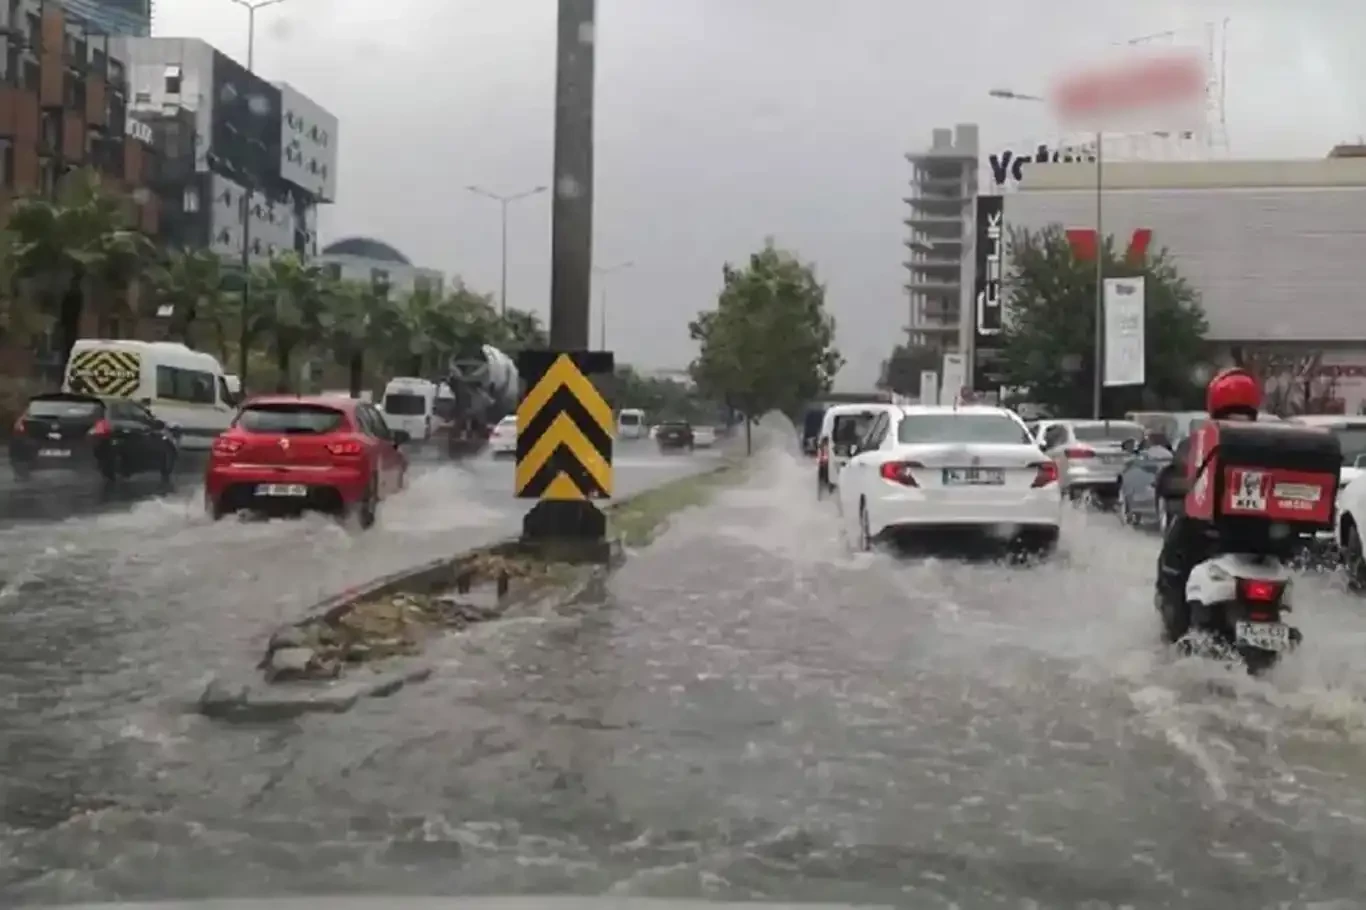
column 244, row 336
column 1098, row 374
column 504, row 201
column 602, row 271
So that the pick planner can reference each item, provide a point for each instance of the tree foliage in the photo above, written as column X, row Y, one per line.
column 769, row 344
column 1049, row 338
column 901, row 371
column 660, row 398
column 80, row 250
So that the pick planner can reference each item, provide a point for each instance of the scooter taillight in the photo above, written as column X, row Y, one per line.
column 1260, row 593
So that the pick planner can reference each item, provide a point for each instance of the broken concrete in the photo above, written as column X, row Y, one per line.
column 258, row 700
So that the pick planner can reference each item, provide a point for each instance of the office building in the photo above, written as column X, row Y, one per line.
column 939, row 267
column 265, row 155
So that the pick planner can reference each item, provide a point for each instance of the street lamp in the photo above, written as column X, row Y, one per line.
column 504, row 201
column 602, row 270
column 251, row 7
column 1098, row 384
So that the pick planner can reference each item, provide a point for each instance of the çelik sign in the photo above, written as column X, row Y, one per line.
column 1125, row 338
column 988, row 310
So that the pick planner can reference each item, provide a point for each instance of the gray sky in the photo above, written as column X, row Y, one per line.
column 722, row 121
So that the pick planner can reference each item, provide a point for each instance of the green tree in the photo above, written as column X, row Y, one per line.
column 81, row 248
column 520, row 330
column 901, row 371
column 1048, row 343
column 294, row 309
column 769, row 344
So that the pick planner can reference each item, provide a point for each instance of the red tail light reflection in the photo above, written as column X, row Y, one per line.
column 1047, row 474
column 224, row 445
column 101, row 428
column 1259, row 591
column 348, row 447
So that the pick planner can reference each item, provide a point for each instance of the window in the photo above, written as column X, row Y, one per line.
column 290, row 419
column 7, row 162
column 225, row 394
column 404, row 404
column 66, row 406
column 960, row 427
column 1107, row 432
column 173, row 79
column 193, row 386
column 850, row 428
column 379, row 428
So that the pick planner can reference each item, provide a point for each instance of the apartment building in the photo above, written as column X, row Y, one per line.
column 63, row 106
column 939, row 267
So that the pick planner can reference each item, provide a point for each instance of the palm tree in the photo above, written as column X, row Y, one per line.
column 188, row 290
column 356, row 314
column 293, row 311
column 520, row 330
column 80, row 249
column 21, row 316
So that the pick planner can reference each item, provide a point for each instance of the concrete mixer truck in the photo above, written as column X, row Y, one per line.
column 485, row 387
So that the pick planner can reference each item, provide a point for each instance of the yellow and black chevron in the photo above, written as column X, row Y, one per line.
column 116, row 374
column 564, row 427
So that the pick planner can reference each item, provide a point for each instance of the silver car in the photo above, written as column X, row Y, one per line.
column 1089, row 454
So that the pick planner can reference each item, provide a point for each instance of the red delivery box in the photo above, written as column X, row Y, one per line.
column 1268, row 472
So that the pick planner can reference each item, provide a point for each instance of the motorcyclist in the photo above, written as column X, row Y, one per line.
column 1233, row 394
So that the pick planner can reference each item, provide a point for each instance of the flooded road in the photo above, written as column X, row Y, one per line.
column 751, row 712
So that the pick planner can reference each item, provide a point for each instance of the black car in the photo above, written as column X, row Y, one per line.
column 674, row 435
column 115, row 436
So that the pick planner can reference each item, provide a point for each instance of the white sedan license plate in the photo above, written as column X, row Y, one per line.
column 54, row 453
column 282, row 489
column 1269, row 636
column 990, row 477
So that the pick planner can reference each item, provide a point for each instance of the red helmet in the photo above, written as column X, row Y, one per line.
column 1233, row 391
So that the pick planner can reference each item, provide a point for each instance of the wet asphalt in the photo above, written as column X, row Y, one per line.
column 750, row 712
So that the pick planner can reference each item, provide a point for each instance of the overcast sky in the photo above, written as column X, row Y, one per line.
column 722, row 121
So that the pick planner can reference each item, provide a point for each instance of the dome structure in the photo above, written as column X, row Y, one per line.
column 366, row 248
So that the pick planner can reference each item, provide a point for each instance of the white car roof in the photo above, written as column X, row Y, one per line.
column 912, row 409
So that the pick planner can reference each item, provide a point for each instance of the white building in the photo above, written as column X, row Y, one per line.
column 373, row 262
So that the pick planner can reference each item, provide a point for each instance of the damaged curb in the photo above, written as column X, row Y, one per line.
column 365, row 641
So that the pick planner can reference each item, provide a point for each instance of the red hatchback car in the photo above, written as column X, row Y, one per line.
column 296, row 453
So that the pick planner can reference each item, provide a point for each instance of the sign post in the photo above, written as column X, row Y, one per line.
column 565, row 425
column 1146, row 91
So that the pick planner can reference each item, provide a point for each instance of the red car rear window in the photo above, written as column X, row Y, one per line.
column 290, row 418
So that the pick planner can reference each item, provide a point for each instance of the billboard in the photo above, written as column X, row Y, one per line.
column 1125, row 339
column 245, row 132
column 308, row 154
column 988, row 312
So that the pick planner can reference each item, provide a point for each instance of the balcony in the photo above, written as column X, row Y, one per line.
column 926, row 284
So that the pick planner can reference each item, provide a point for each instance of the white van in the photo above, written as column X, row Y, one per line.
column 630, row 423
column 410, row 405
column 185, row 388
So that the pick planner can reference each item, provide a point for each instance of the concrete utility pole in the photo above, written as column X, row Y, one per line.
column 504, row 201
column 1098, row 377
column 571, row 251
column 245, row 335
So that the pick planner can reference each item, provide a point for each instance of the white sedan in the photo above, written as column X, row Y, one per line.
column 925, row 468
column 503, row 439
column 703, row 437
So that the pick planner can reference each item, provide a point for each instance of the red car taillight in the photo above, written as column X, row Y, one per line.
column 226, row 445
column 1079, row 452
column 101, row 428
column 346, row 448
column 900, row 472
column 1047, row 474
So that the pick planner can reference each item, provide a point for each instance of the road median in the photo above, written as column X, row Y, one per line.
column 368, row 641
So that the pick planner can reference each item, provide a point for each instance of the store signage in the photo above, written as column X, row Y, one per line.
column 138, row 130
column 1083, row 242
column 989, row 317
column 1008, row 168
